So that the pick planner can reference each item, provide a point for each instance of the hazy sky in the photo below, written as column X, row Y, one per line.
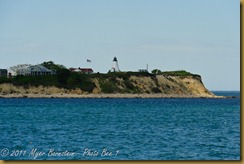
column 199, row 36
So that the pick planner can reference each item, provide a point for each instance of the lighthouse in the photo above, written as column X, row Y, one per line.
column 115, row 66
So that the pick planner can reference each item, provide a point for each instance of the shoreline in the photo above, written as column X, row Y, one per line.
column 125, row 95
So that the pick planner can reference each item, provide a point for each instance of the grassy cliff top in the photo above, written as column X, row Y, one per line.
column 178, row 73
column 182, row 73
column 71, row 80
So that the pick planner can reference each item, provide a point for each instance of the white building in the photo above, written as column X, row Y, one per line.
column 115, row 66
column 29, row 70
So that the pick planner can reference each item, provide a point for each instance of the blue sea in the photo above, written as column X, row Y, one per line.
column 120, row 129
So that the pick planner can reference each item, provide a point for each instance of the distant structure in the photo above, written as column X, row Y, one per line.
column 86, row 70
column 18, row 70
column 115, row 67
column 29, row 70
column 144, row 70
column 37, row 70
column 82, row 70
column 3, row 73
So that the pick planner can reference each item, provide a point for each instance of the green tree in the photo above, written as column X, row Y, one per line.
column 52, row 66
column 156, row 71
column 63, row 76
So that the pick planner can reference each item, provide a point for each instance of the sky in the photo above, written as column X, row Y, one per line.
column 199, row 36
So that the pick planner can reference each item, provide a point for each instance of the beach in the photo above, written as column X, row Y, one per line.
column 119, row 95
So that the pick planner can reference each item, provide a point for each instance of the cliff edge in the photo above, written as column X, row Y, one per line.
column 111, row 85
column 158, row 84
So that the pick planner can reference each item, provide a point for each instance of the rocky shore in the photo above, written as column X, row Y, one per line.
column 63, row 95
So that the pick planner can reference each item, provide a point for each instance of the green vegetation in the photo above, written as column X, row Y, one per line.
column 52, row 66
column 63, row 79
column 112, row 82
column 26, row 81
column 156, row 90
column 109, row 87
column 129, row 85
column 81, row 81
column 177, row 73
column 156, row 71
column 123, row 75
column 4, row 80
column 173, row 73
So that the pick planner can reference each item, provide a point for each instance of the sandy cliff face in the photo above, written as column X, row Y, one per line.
column 174, row 85
column 159, row 84
column 189, row 85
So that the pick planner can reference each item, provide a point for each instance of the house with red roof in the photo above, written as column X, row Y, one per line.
column 82, row 70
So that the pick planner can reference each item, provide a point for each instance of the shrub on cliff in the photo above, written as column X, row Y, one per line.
column 52, row 66
column 156, row 90
column 63, row 76
column 108, row 86
column 156, row 71
column 177, row 73
column 4, row 80
column 80, row 81
column 173, row 73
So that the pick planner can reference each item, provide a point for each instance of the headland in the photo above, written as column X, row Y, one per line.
column 110, row 85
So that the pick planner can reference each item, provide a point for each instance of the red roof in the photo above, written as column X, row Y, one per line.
column 72, row 69
column 86, row 69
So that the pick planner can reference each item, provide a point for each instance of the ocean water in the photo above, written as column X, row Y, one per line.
column 227, row 93
column 120, row 129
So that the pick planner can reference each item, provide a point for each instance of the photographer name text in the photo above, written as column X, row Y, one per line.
column 37, row 154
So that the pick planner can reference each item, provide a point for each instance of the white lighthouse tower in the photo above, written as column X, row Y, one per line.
column 115, row 67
